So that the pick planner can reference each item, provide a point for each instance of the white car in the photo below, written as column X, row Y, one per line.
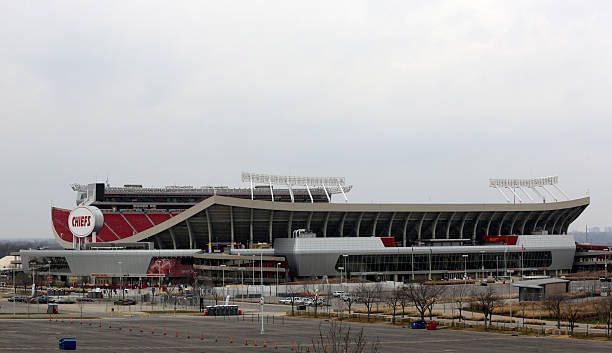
column 338, row 293
column 285, row 300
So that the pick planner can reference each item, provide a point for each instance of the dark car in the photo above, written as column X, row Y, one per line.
column 125, row 302
column 18, row 299
column 418, row 325
column 39, row 300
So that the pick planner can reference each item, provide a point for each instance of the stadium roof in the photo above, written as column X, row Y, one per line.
column 236, row 220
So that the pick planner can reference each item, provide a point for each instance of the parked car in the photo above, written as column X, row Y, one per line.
column 285, row 300
column 18, row 299
column 125, row 302
column 418, row 325
column 338, row 293
column 65, row 300
column 43, row 299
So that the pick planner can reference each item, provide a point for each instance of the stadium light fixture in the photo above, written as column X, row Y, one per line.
column 331, row 185
column 540, row 187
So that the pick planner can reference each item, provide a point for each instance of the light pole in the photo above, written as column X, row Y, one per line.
column 223, row 278
column 14, row 290
column 482, row 264
column 121, row 279
column 465, row 256
column 430, row 255
column 496, row 267
column 158, row 262
column 261, row 299
column 49, row 275
column 277, row 265
column 412, row 260
column 606, row 265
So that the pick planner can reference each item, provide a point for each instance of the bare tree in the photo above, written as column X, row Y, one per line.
column 571, row 313
column 460, row 294
column 424, row 296
column 404, row 299
column 367, row 295
column 554, row 306
column 604, row 309
column 486, row 300
column 392, row 299
column 335, row 338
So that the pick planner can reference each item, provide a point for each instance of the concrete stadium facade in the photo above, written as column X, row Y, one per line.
column 234, row 220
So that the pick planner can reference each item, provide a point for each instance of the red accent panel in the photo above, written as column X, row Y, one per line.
column 169, row 267
column 388, row 242
column 501, row 239
column 582, row 246
column 59, row 218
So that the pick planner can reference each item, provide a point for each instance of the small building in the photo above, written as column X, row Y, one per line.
column 541, row 289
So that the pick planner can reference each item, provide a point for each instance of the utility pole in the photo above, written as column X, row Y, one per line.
column 261, row 299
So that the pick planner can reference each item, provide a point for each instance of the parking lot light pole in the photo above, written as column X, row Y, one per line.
column 121, row 279
column 223, row 278
column 14, row 290
column 261, row 298
column 465, row 256
column 482, row 264
column 49, row 275
column 277, row 266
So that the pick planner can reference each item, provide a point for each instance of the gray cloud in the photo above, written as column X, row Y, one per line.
column 412, row 101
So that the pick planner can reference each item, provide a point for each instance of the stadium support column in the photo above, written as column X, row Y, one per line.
column 271, row 191
column 390, row 224
column 342, row 225
column 535, row 224
column 173, row 238
column 359, row 223
column 251, row 228
column 525, row 222
column 475, row 227
column 374, row 224
column 325, row 225
column 309, row 221
column 270, row 226
column 462, row 224
column 513, row 222
column 420, row 227
column 404, row 229
column 231, row 228
column 190, row 233
column 290, row 224
column 501, row 223
column 435, row 225
column 448, row 224
column 209, row 226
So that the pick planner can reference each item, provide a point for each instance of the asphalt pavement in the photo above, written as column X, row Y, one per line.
column 201, row 334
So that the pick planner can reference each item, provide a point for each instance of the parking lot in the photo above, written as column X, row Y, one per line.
column 199, row 334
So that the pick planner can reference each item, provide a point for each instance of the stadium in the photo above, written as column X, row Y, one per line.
column 291, row 226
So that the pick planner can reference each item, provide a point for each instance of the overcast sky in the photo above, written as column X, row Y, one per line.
column 412, row 101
